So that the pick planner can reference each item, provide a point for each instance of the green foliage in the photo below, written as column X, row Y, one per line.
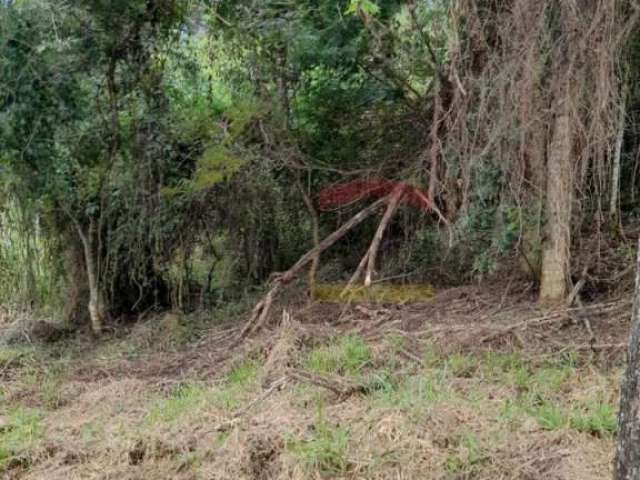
column 366, row 6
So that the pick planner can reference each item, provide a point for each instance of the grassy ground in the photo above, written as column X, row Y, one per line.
column 375, row 404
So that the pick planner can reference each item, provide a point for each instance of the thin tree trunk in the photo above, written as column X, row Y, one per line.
column 627, row 462
column 96, row 302
column 615, row 174
column 434, row 151
column 315, row 225
column 555, row 255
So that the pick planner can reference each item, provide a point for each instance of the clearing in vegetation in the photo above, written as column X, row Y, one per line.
column 466, row 386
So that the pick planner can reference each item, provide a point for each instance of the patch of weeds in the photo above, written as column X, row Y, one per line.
column 550, row 416
column 415, row 394
column 468, row 457
column 431, row 358
column 347, row 354
column 51, row 386
column 596, row 418
column 380, row 381
column 549, row 380
column 396, row 342
column 14, row 356
column 462, row 366
column 243, row 374
column 507, row 368
column 184, row 400
column 496, row 363
column 193, row 397
column 238, row 381
column 325, row 451
column 92, row 432
column 21, row 433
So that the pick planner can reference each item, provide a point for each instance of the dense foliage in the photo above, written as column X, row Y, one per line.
column 169, row 154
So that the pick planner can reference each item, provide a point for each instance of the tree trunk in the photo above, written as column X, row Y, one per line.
column 434, row 151
column 76, row 294
column 627, row 462
column 96, row 302
column 315, row 223
column 559, row 194
column 615, row 174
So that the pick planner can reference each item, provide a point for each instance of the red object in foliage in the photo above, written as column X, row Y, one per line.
column 346, row 193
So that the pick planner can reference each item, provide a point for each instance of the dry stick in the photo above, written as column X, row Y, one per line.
column 340, row 387
column 277, row 385
column 356, row 275
column 369, row 258
column 578, row 286
column 392, row 206
column 575, row 297
column 555, row 317
column 316, row 235
column 261, row 310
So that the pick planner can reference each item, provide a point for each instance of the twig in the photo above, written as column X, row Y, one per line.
column 555, row 317
column 340, row 387
column 411, row 356
column 277, row 385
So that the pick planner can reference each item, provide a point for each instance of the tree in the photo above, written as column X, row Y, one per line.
column 83, row 114
column 627, row 461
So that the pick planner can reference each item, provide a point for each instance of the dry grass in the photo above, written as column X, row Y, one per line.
column 429, row 404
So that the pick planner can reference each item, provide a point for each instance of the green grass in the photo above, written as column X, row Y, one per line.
column 344, row 355
column 596, row 418
column 324, row 450
column 550, row 416
column 185, row 400
column 243, row 373
column 22, row 432
column 193, row 397
column 415, row 395
column 467, row 457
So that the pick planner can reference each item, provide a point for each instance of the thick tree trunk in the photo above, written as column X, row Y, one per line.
column 559, row 194
column 627, row 462
column 76, row 294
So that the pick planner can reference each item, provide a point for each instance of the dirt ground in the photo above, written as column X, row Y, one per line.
column 479, row 383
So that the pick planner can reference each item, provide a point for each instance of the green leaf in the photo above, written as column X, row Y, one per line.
column 368, row 7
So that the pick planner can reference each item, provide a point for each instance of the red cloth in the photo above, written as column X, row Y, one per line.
column 341, row 194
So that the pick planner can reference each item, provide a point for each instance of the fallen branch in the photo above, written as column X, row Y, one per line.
column 261, row 310
column 392, row 207
column 225, row 426
column 341, row 387
column 558, row 316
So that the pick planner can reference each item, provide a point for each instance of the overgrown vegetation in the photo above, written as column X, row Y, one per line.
column 170, row 170
column 175, row 154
